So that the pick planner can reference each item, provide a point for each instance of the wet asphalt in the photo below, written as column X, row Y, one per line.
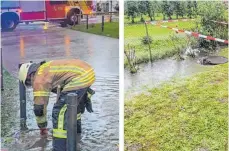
column 33, row 43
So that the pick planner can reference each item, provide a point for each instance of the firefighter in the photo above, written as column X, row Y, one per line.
column 61, row 77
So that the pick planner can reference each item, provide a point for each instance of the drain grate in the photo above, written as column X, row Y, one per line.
column 213, row 60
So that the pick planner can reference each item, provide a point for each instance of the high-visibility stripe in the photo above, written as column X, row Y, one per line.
column 67, row 67
column 85, row 75
column 59, row 133
column 65, row 70
column 41, row 119
column 41, row 68
column 80, row 85
column 89, row 95
column 83, row 80
column 78, row 116
column 40, row 93
column 87, row 78
column 61, row 117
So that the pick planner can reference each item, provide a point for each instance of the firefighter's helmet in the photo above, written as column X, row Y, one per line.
column 23, row 72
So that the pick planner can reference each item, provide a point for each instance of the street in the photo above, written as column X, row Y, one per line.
column 33, row 43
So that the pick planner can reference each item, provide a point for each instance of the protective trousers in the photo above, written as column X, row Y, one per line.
column 59, row 118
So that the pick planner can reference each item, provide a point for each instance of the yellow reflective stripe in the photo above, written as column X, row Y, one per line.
column 41, row 68
column 59, row 133
column 61, row 117
column 40, row 93
column 88, row 78
column 41, row 119
column 80, row 84
column 67, row 69
column 85, row 75
column 81, row 81
column 89, row 95
column 78, row 116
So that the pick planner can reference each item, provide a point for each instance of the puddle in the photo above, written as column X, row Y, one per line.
column 151, row 75
column 100, row 128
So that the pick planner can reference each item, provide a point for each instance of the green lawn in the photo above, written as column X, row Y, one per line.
column 185, row 114
column 158, row 16
column 110, row 29
column 162, row 46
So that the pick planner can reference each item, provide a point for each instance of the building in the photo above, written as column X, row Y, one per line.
column 107, row 6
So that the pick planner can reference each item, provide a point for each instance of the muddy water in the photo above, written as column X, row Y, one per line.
column 153, row 74
column 100, row 129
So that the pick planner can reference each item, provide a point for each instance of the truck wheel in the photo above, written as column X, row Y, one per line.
column 73, row 17
column 9, row 22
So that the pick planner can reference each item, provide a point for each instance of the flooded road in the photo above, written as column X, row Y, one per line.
column 100, row 128
column 151, row 75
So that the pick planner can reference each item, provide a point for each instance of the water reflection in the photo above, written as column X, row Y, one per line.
column 22, row 47
column 67, row 45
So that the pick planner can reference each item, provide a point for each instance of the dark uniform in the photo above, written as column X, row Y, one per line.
column 71, row 76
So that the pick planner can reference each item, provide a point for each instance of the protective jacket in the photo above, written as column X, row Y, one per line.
column 70, row 75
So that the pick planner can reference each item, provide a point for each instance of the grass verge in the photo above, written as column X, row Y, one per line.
column 187, row 114
column 110, row 29
column 162, row 45
column 9, row 104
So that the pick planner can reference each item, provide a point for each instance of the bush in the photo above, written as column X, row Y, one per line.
column 145, row 40
column 212, row 11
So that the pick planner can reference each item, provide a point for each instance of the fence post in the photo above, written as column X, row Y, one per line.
column 2, row 88
column 110, row 18
column 72, row 104
column 22, row 93
column 87, row 21
column 148, row 43
column 75, row 19
column 102, row 23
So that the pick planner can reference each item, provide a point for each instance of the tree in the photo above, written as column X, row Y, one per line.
column 170, row 10
column 150, row 10
column 132, row 9
column 165, row 8
column 189, row 7
column 142, row 9
column 116, row 7
column 195, row 10
column 98, row 7
column 182, row 8
column 217, row 11
column 177, row 8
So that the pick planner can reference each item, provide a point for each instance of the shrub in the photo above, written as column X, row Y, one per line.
column 146, row 40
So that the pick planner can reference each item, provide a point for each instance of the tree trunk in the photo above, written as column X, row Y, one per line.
column 177, row 16
column 151, row 19
column 163, row 16
column 170, row 17
column 132, row 19
column 153, row 16
column 142, row 20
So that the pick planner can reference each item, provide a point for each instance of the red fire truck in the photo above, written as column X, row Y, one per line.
column 64, row 12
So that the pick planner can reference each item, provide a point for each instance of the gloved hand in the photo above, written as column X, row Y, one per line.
column 88, row 104
column 43, row 131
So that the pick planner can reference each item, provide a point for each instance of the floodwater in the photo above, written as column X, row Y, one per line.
column 100, row 129
column 152, row 74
